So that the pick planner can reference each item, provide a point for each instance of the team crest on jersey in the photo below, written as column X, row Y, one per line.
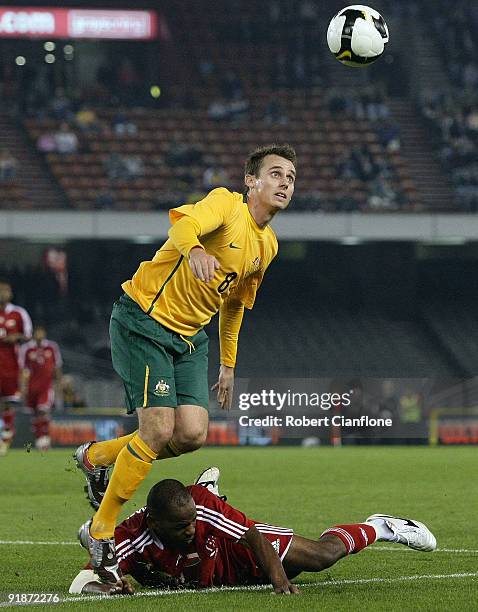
column 276, row 545
column 256, row 266
column 10, row 323
column 162, row 388
column 211, row 545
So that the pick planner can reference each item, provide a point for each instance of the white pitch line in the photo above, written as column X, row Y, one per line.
column 264, row 587
column 37, row 543
column 406, row 549
column 370, row 548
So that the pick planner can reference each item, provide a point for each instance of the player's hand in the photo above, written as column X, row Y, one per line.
column 121, row 587
column 284, row 587
column 224, row 387
column 203, row 266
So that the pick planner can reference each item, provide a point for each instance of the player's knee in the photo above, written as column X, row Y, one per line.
column 156, row 433
column 190, row 439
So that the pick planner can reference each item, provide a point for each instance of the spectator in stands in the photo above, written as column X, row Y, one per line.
column 46, row 143
column 87, row 120
column 388, row 134
column 115, row 166
column 66, row 140
column 181, row 153
column 381, row 194
column 71, row 397
column 123, row 126
column 60, row 106
column 218, row 110
column 8, row 165
column 214, row 176
column 134, row 166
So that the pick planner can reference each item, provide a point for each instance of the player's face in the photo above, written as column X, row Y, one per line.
column 177, row 530
column 5, row 293
column 39, row 333
column 274, row 184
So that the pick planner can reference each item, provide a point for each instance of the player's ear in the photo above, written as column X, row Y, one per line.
column 250, row 180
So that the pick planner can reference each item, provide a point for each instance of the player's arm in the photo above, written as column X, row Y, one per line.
column 88, row 582
column 23, row 383
column 269, row 561
column 190, row 223
column 230, row 319
column 17, row 338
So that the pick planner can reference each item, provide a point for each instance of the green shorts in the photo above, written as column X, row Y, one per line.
column 157, row 366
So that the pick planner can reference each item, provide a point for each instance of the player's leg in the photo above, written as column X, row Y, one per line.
column 306, row 555
column 9, row 400
column 41, row 401
column 132, row 466
column 190, row 378
column 104, row 453
column 190, row 431
column 140, row 354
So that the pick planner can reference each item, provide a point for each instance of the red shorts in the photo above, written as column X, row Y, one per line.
column 279, row 537
column 40, row 398
column 9, row 389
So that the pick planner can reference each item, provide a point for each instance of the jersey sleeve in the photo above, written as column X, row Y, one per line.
column 27, row 327
column 209, row 213
column 246, row 291
column 57, row 355
column 217, row 516
column 128, row 557
column 230, row 319
column 22, row 356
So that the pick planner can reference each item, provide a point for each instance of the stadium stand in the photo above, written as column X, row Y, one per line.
column 321, row 142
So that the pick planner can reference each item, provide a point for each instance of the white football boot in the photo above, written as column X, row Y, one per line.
column 209, row 479
column 409, row 532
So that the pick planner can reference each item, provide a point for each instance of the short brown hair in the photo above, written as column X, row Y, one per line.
column 254, row 161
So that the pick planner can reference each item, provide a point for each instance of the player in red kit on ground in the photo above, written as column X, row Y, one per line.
column 15, row 328
column 40, row 362
column 190, row 537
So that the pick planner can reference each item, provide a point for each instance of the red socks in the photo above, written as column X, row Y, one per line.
column 41, row 425
column 8, row 417
column 355, row 537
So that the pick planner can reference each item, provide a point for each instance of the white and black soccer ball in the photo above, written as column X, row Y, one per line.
column 357, row 35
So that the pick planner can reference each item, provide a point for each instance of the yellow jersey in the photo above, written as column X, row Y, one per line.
column 221, row 223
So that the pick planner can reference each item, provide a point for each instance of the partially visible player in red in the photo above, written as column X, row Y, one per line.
column 189, row 536
column 15, row 328
column 40, row 363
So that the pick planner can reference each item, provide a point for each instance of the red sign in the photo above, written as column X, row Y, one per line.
column 32, row 22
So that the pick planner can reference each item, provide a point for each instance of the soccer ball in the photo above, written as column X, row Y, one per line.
column 357, row 35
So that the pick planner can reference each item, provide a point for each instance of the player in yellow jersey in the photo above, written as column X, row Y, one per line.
column 214, row 261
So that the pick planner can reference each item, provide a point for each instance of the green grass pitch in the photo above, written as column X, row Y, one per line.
column 41, row 499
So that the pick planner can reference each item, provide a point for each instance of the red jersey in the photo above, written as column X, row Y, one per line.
column 41, row 360
column 214, row 558
column 13, row 320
